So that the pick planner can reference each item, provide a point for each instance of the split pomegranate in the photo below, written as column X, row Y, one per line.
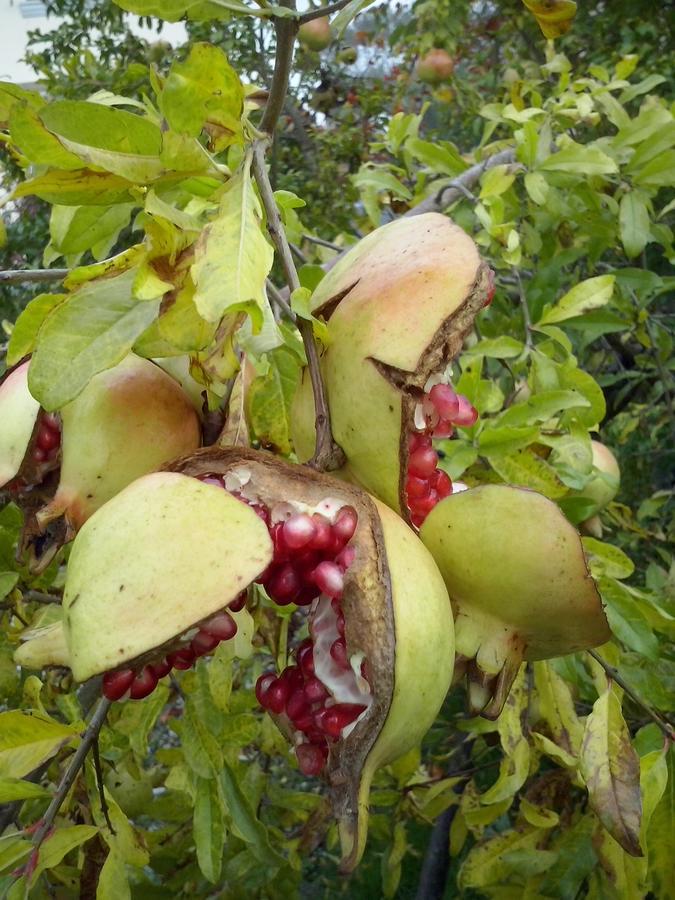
column 398, row 306
column 521, row 590
column 61, row 466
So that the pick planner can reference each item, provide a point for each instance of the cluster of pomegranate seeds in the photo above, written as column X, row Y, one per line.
column 317, row 718
column 48, row 438
column 139, row 683
column 426, row 484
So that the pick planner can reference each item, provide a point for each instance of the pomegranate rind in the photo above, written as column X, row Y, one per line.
column 18, row 414
column 604, row 486
column 518, row 579
column 128, row 421
column 397, row 616
column 43, row 646
column 398, row 306
column 425, row 656
column 139, row 575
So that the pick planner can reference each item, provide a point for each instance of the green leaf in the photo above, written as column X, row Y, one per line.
column 233, row 257
column 82, row 187
column 200, row 748
column 580, row 160
column 204, row 90
column 610, row 768
column 642, row 87
column 556, row 708
column 606, row 559
column 269, row 400
column 537, row 187
column 627, row 620
column 28, row 741
column 541, row 406
column 58, row 844
column 35, row 142
column 114, row 139
column 179, row 322
column 576, row 860
column 658, row 172
column 74, row 229
column 634, row 223
column 91, row 331
column 8, row 581
column 12, row 789
column 113, row 883
column 11, row 95
column 498, row 439
column 435, row 156
column 485, row 864
column 504, row 347
column 27, row 326
column 587, row 295
column 496, row 181
column 208, row 828
column 529, row 470
column 458, row 457
column 244, row 823
column 380, row 179
column 345, row 16
column 660, row 831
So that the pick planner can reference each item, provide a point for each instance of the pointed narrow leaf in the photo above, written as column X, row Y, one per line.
column 587, row 295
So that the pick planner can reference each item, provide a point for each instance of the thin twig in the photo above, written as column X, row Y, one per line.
column 323, row 11
column 327, row 455
column 41, row 597
column 613, row 673
column 90, row 735
column 461, row 184
column 322, row 243
column 286, row 30
column 98, row 769
column 298, row 252
column 17, row 276
column 527, row 318
column 276, row 297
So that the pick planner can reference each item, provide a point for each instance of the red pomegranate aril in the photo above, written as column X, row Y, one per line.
column 417, row 519
column 161, row 669
column 445, row 400
column 276, row 696
column 305, row 561
column 181, row 659
column 443, row 430
column 307, row 596
column 340, row 623
column 292, row 676
column 262, row 686
column 323, row 534
column 143, row 684
column 47, row 438
column 345, row 524
column 280, row 548
column 424, row 505
column 442, row 483
column 203, row 643
column 304, row 722
column 311, row 758
column 333, row 719
column 467, row 414
column 431, row 416
column 297, row 705
column 238, row 603
column 305, row 657
column 417, row 487
column 51, row 420
column 39, row 455
column 222, row 626
column 338, row 651
column 262, row 512
column 283, row 585
column 345, row 558
column 315, row 690
column 422, row 462
column 298, row 531
column 116, row 684
column 417, row 440
column 329, row 579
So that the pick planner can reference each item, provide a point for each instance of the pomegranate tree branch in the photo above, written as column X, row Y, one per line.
column 286, row 30
column 88, row 738
column 459, row 187
column 327, row 456
column 323, row 11
column 17, row 276
column 613, row 673
column 322, row 243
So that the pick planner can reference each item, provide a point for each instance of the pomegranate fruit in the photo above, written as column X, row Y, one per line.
column 398, row 306
column 517, row 576
column 602, row 487
column 315, row 35
column 162, row 563
column 60, row 467
column 435, row 66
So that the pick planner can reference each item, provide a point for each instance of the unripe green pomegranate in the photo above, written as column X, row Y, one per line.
column 517, row 576
column 315, row 35
column 604, row 487
column 60, row 467
column 165, row 561
column 398, row 306
column 435, row 67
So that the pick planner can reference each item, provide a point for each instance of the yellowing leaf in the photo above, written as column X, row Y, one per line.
column 27, row 741
column 554, row 17
column 269, row 400
column 610, row 768
column 485, row 864
column 232, row 256
column 515, row 764
column 556, row 707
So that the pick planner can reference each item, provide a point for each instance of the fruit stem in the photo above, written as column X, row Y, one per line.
column 613, row 673
column 88, row 738
column 328, row 455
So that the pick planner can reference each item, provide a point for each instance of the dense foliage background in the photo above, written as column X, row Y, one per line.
column 577, row 223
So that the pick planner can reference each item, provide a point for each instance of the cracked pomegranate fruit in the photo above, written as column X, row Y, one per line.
column 61, row 466
column 163, row 562
column 520, row 587
column 398, row 306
